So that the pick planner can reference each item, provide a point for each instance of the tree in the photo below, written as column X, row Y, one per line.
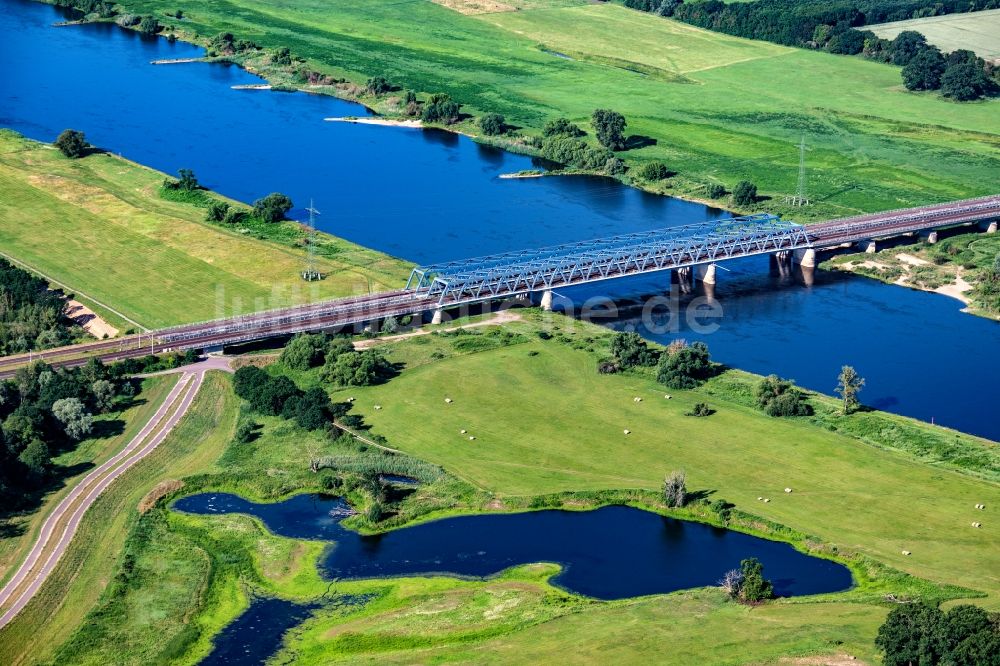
column 906, row 46
column 630, row 350
column 271, row 397
column 103, row 392
column 609, row 127
column 272, row 208
column 675, row 490
column 847, row 42
column 912, row 634
column 964, row 81
column 492, row 124
column 683, row 366
column 282, row 56
column 754, row 588
column 440, row 108
column 654, row 171
column 149, row 26
column 187, row 181
column 304, row 351
column 924, row 71
column 778, row 397
column 389, row 325
column 217, row 211
column 245, row 431
column 71, row 143
column 745, row 193
column 75, row 419
column 715, row 191
column 35, row 457
column 849, row 385
column 561, row 127
column 378, row 85
column 356, row 368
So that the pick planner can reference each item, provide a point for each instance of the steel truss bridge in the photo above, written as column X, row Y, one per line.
column 439, row 286
column 502, row 275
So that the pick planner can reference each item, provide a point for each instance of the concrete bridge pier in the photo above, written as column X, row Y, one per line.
column 546, row 303
column 438, row 316
column 929, row 237
column 705, row 273
column 991, row 227
column 867, row 246
column 805, row 256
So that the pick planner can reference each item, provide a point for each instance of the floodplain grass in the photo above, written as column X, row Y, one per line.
column 976, row 31
column 98, row 224
column 548, row 433
column 871, row 144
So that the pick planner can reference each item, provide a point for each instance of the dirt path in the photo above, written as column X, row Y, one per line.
column 502, row 317
column 89, row 321
column 61, row 525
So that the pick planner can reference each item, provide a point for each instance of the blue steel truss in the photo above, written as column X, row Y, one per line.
column 606, row 258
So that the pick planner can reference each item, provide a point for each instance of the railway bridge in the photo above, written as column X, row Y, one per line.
column 689, row 249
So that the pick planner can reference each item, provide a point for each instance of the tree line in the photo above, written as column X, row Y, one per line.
column 44, row 411
column 835, row 26
column 31, row 315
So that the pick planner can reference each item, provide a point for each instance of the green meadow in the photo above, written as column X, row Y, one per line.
column 714, row 108
column 99, row 226
column 549, row 433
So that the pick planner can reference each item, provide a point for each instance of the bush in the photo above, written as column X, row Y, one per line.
column 653, row 171
column 217, row 211
column 745, row 193
column 630, row 350
column 722, row 509
column 441, row 108
column 245, row 431
column 778, row 397
column 377, row 85
column 700, row 409
column 149, row 26
column 304, row 351
column 675, row 490
column 561, row 127
column 492, row 124
column 715, row 191
column 71, row 143
column 684, row 366
column 272, row 208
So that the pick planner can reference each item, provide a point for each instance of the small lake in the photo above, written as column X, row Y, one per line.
column 614, row 552
column 431, row 196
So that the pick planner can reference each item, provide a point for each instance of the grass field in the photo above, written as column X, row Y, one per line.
column 975, row 31
column 718, row 108
column 545, row 422
column 99, row 225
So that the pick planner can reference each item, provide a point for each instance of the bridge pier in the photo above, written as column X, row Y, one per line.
column 991, row 227
column 805, row 256
column 547, row 300
column 683, row 276
column 705, row 273
column 868, row 246
column 438, row 316
column 929, row 237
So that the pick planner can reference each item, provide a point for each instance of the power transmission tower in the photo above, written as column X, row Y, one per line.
column 800, row 199
column 310, row 273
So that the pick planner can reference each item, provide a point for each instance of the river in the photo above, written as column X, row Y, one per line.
column 430, row 196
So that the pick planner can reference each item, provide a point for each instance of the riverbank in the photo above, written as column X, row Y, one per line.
column 696, row 130
column 548, row 434
column 955, row 267
column 100, row 226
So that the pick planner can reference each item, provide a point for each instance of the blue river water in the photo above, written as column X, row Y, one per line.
column 430, row 196
column 614, row 552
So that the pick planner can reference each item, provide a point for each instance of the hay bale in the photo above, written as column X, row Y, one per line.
column 472, row 438
column 788, row 490
column 627, row 431
column 448, row 400
column 906, row 552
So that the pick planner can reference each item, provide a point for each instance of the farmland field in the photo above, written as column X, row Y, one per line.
column 975, row 31
column 99, row 226
column 714, row 108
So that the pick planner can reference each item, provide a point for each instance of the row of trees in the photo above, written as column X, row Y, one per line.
column 277, row 395
column 919, row 633
column 31, row 316
column 45, row 411
column 960, row 75
column 834, row 26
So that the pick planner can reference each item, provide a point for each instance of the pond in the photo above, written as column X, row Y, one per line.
column 614, row 552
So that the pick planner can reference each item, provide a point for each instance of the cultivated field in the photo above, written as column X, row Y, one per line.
column 975, row 31
column 98, row 225
column 718, row 108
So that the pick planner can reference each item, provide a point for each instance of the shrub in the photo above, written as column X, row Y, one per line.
column 700, row 409
column 653, row 171
column 492, row 124
column 217, row 211
column 745, row 193
column 675, row 490
column 245, row 431
column 149, row 26
column 71, row 143
column 377, row 85
column 630, row 350
column 715, row 191
column 272, row 208
column 684, row 366
column 304, row 351
column 561, row 127
column 441, row 108
column 722, row 509
column 615, row 166
column 778, row 397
